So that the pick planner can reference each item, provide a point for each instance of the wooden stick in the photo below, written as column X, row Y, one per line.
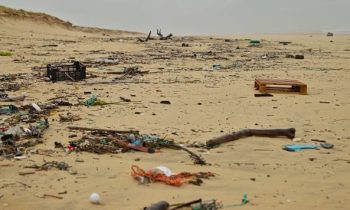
column 289, row 133
column 6, row 164
column 149, row 35
column 186, row 204
column 147, row 38
column 101, row 130
column 9, row 99
column 69, row 76
column 22, row 173
column 53, row 196
column 196, row 158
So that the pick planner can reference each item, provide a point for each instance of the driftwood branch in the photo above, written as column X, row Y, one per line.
column 159, row 33
column 149, row 35
column 147, row 38
column 289, row 133
column 196, row 158
column 101, row 130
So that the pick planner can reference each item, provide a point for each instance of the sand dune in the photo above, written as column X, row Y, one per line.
column 22, row 18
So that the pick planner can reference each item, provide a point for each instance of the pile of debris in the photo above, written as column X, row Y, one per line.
column 23, row 126
column 15, row 140
column 102, row 141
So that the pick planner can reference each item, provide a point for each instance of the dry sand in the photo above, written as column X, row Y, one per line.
column 309, row 179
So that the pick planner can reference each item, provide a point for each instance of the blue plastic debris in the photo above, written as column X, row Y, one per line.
column 298, row 147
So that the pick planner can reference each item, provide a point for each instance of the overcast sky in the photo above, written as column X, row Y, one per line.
column 185, row 17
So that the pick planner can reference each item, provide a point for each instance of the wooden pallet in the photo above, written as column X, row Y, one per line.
column 267, row 85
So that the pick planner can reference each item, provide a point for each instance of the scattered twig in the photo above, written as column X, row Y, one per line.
column 24, row 184
column 52, row 196
column 9, row 99
column 101, row 130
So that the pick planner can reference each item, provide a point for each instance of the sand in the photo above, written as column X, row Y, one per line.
column 205, row 103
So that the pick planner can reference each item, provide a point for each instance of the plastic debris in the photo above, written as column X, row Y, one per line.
column 95, row 198
column 327, row 145
column 9, row 110
column 298, row 147
column 91, row 101
column 162, row 205
column 174, row 179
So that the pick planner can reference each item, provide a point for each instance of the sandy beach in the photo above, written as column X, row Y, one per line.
column 210, row 87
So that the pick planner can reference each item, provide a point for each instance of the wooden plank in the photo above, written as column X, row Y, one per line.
column 279, row 82
column 263, row 85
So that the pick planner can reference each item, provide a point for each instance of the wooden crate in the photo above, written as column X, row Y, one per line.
column 277, row 85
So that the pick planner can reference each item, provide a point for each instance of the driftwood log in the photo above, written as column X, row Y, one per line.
column 288, row 132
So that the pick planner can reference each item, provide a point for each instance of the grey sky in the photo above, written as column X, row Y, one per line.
column 184, row 17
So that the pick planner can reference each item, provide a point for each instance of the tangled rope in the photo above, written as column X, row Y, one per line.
column 174, row 180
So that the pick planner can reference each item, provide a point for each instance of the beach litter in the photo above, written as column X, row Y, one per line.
column 198, row 204
column 329, row 34
column 69, row 117
column 280, row 85
column 7, row 110
column 95, row 198
column 15, row 140
column 115, row 141
column 327, row 145
column 254, row 43
column 51, row 164
column 164, row 175
column 299, row 147
column 5, row 53
column 61, row 72
column 299, row 57
column 161, row 205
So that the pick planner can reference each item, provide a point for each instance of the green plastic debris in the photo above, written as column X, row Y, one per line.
column 244, row 201
column 5, row 53
column 252, row 41
column 210, row 205
column 104, row 141
column 91, row 101
column 9, row 110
